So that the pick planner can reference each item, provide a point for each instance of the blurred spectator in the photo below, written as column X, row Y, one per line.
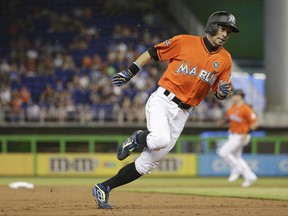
column 127, row 112
column 86, row 114
column 48, row 96
column 87, row 61
column 62, row 112
column 216, row 112
column 16, row 103
column 25, row 96
column 59, row 86
column 78, row 44
column 68, row 63
column 5, row 96
column 4, row 66
column 33, row 112
column 31, row 60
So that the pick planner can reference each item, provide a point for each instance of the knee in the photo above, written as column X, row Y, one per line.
column 222, row 153
column 146, row 167
column 157, row 142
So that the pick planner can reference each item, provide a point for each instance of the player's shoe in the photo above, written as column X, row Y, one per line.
column 233, row 176
column 126, row 148
column 102, row 196
column 249, row 182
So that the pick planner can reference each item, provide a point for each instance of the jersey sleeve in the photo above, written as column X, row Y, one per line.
column 170, row 48
column 250, row 115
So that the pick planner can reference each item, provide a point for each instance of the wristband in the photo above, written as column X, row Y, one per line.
column 134, row 68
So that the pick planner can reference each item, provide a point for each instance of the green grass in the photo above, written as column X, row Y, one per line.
column 253, row 192
column 264, row 188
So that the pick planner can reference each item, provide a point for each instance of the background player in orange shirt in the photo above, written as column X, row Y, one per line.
column 242, row 119
column 196, row 65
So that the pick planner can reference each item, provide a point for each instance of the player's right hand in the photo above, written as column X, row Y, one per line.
column 122, row 77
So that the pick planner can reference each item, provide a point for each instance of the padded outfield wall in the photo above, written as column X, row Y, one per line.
column 84, row 155
column 100, row 165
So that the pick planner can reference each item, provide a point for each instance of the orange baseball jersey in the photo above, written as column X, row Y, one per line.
column 240, row 118
column 192, row 69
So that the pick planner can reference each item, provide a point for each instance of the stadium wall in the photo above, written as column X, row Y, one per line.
column 90, row 155
column 101, row 165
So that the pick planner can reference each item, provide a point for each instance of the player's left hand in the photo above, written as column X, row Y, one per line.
column 224, row 88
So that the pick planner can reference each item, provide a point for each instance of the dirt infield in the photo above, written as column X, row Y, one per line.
column 79, row 201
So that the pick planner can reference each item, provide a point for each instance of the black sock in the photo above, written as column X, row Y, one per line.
column 125, row 175
column 142, row 138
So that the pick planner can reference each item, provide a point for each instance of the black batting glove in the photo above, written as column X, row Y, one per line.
column 224, row 89
column 122, row 77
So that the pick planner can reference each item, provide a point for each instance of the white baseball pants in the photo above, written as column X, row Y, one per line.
column 165, row 122
column 231, row 152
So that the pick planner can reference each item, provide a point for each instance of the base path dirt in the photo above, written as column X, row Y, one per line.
column 78, row 201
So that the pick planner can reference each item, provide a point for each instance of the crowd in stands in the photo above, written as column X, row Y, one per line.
column 60, row 60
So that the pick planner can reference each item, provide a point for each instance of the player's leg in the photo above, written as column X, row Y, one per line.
column 236, row 171
column 156, row 113
column 160, row 111
column 163, row 118
column 165, row 127
column 226, row 153
column 249, row 176
column 157, row 121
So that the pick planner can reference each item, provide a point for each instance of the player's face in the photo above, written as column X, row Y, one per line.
column 222, row 35
column 236, row 98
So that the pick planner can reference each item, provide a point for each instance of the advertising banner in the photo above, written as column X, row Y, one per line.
column 262, row 165
column 107, row 165
column 16, row 164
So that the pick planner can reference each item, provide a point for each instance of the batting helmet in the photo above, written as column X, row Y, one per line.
column 220, row 18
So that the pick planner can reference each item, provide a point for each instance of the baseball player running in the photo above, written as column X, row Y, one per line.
column 196, row 65
column 242, row 119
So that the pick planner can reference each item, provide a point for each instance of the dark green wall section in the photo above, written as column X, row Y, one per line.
column 249, row 15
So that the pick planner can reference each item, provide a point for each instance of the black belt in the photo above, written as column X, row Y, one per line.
column 178, row 101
